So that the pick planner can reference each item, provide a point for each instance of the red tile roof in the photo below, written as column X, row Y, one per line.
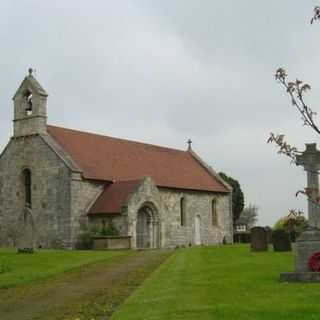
column 113, row 197
column 111, row 159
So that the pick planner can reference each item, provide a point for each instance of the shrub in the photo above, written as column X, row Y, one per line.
column 293, row 224
column 109, row 230
column 84, row 241
column 94, row 229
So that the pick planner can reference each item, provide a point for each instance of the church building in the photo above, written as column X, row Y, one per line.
column 159, row 197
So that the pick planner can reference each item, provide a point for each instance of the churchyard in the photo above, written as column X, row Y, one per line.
column 219, row 282
column 71, row 284
column 20, row 269
column 226, row 282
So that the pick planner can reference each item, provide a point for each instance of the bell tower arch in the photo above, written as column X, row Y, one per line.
column 30, row 108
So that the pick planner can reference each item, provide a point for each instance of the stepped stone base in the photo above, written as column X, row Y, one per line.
column 300, row 277
column 306, row 245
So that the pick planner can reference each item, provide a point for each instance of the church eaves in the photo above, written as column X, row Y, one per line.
column 111, row 159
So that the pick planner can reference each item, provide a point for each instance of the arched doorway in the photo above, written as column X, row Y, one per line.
column 146, row 228
column 197, row 230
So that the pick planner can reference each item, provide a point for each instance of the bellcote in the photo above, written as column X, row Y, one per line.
column 30, row 108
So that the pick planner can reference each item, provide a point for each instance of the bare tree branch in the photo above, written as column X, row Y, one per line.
column 296, row 90
column 284, row 147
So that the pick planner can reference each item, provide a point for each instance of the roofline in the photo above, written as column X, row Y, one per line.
column 210, row 170
column 121, row 139
column 5, row 148
column 74, row 167
column 91, row 204
column 60, row 152
column 193, row 190
column 31, row 80
column 139, row 182
column 158, row 185
column 103, row 213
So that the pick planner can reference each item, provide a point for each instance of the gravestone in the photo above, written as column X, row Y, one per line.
column 259, row 239
column 26, row 235
column 269, row 234
column 309, row 241
column 281, row 240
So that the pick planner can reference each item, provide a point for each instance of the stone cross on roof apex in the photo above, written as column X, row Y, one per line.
column 189, row 142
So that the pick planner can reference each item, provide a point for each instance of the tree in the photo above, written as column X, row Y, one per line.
column 237, row 196
column 294, row 223
column 249, row 216
column 296, row 90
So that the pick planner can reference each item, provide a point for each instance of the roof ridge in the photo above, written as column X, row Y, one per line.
column 120, row 139
column 126, row 180
column 112, row 159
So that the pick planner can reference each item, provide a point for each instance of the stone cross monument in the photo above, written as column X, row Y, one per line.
column 309, row 241
column 310, row 160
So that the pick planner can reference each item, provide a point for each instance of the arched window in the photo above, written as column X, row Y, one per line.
column 214, row 212
column 182, row 212
column 27, row 186
column 28, row 102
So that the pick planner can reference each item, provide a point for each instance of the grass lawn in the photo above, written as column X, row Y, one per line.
column 17, row 269
column 225, row 282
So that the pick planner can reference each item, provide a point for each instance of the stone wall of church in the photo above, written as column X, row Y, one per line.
column 196, row 203
column 165, row 203
column 83, row 194
column 61, row 199
column 50, row 190
column 119, row 221
column 146, row 194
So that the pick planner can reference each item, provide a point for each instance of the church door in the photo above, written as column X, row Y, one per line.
column 143, row 229
column 197, row 230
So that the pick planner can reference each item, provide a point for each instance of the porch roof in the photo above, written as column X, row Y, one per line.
column 113, row 197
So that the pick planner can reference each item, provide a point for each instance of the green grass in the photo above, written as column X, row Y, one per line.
column 226, row 282
column 17, row 269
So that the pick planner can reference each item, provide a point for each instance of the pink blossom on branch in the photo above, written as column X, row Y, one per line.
column 296, row 90
column 284, row 147
column 311, row 193
column 316, row 14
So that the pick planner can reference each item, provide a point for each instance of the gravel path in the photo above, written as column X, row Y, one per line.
column 91, row 293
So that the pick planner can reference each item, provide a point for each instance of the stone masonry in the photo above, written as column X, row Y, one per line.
column 197, row 203
column 50, row 191
column 61, row 197
column 166, row 205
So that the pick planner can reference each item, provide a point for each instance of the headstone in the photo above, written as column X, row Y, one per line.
column 281, row 240
column 26, row 234
column 269, row 234
column 259, row 239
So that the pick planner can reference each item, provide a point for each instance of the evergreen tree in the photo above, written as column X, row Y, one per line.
column 237, row 196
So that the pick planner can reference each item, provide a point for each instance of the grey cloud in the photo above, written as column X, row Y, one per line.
column 165, row 71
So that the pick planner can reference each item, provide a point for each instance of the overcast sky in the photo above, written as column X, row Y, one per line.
column 164, row 71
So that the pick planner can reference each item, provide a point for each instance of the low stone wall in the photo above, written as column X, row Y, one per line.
column 111, row 243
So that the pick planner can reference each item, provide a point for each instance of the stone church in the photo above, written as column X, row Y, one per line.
column 158, row 196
